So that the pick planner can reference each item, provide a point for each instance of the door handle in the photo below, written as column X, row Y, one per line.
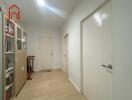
column 109, row 66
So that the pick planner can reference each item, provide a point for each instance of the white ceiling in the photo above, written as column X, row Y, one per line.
column 34, row 15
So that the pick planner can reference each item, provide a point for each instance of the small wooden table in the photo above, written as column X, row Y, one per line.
column 30, row 66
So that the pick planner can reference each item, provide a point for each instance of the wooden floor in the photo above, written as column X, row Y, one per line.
column 49, row 86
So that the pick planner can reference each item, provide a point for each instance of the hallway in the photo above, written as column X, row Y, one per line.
column 85, row 43
column 49, row 86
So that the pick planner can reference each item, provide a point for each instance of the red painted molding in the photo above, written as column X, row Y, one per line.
column 13, row 6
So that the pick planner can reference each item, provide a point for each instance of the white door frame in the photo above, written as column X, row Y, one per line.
column 81, row 37
column 64, row 48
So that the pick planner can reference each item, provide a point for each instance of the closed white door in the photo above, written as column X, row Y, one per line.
column 97, row 53
column 45, row 53
column 66, row 55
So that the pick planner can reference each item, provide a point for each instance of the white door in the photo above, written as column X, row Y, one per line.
column 66, row 54
column 45, row 53
column 97, row 51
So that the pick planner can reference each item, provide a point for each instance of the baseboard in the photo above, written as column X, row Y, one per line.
column 37, row 70
column 16, row 94
column 63, row 69
column 57, row 67
column 54, row 67
column 78, row 89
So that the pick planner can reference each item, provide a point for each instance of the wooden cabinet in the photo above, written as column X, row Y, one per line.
column 13, row 58
column 30, row 66
column 21, row 59
column 7, row 58
column 20, row 70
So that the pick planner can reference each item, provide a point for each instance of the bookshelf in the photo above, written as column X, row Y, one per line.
column 9, row 58
column 13, row 58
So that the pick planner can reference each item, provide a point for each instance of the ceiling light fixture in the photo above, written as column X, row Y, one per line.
column 41, row 2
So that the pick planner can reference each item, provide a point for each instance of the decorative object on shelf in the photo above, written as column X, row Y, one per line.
column 9, row 28
column 14, row 13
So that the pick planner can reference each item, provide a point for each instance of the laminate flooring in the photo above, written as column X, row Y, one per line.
column 53, row 85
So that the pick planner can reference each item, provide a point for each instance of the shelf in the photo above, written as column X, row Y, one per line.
column 7, row 87
column 9, row 69
column 8, row 52
column 19, row 39
column 9, row 35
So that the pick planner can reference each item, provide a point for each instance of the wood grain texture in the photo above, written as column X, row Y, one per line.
column 49, row 86
column 20, row 70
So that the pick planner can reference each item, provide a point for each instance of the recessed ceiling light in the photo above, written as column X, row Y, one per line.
column 41, row 2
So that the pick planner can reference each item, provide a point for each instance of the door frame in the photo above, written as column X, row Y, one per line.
column 64, row 47
column 81, row 38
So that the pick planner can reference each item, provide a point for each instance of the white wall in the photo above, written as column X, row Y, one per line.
column 122, row 73
column 73, row 28
column 34, row 33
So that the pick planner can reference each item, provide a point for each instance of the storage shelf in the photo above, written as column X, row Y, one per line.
column 9, row 47
column 9, row 35
column 14, row 41
column 9, row 69
column 7, row 87
column 9, row 52
column 19, row 39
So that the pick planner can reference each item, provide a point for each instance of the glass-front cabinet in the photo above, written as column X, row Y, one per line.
column 12, row 40
column 24, row 41
column 9, row 58
column 21, row 39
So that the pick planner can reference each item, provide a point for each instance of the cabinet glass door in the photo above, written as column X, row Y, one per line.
column 19, row 39
column 9, row 58
column 24, row 40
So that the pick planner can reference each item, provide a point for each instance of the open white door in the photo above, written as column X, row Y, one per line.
column 97, row 52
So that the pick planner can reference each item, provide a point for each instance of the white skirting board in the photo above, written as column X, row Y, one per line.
column 36, row 70
column 78, row 89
